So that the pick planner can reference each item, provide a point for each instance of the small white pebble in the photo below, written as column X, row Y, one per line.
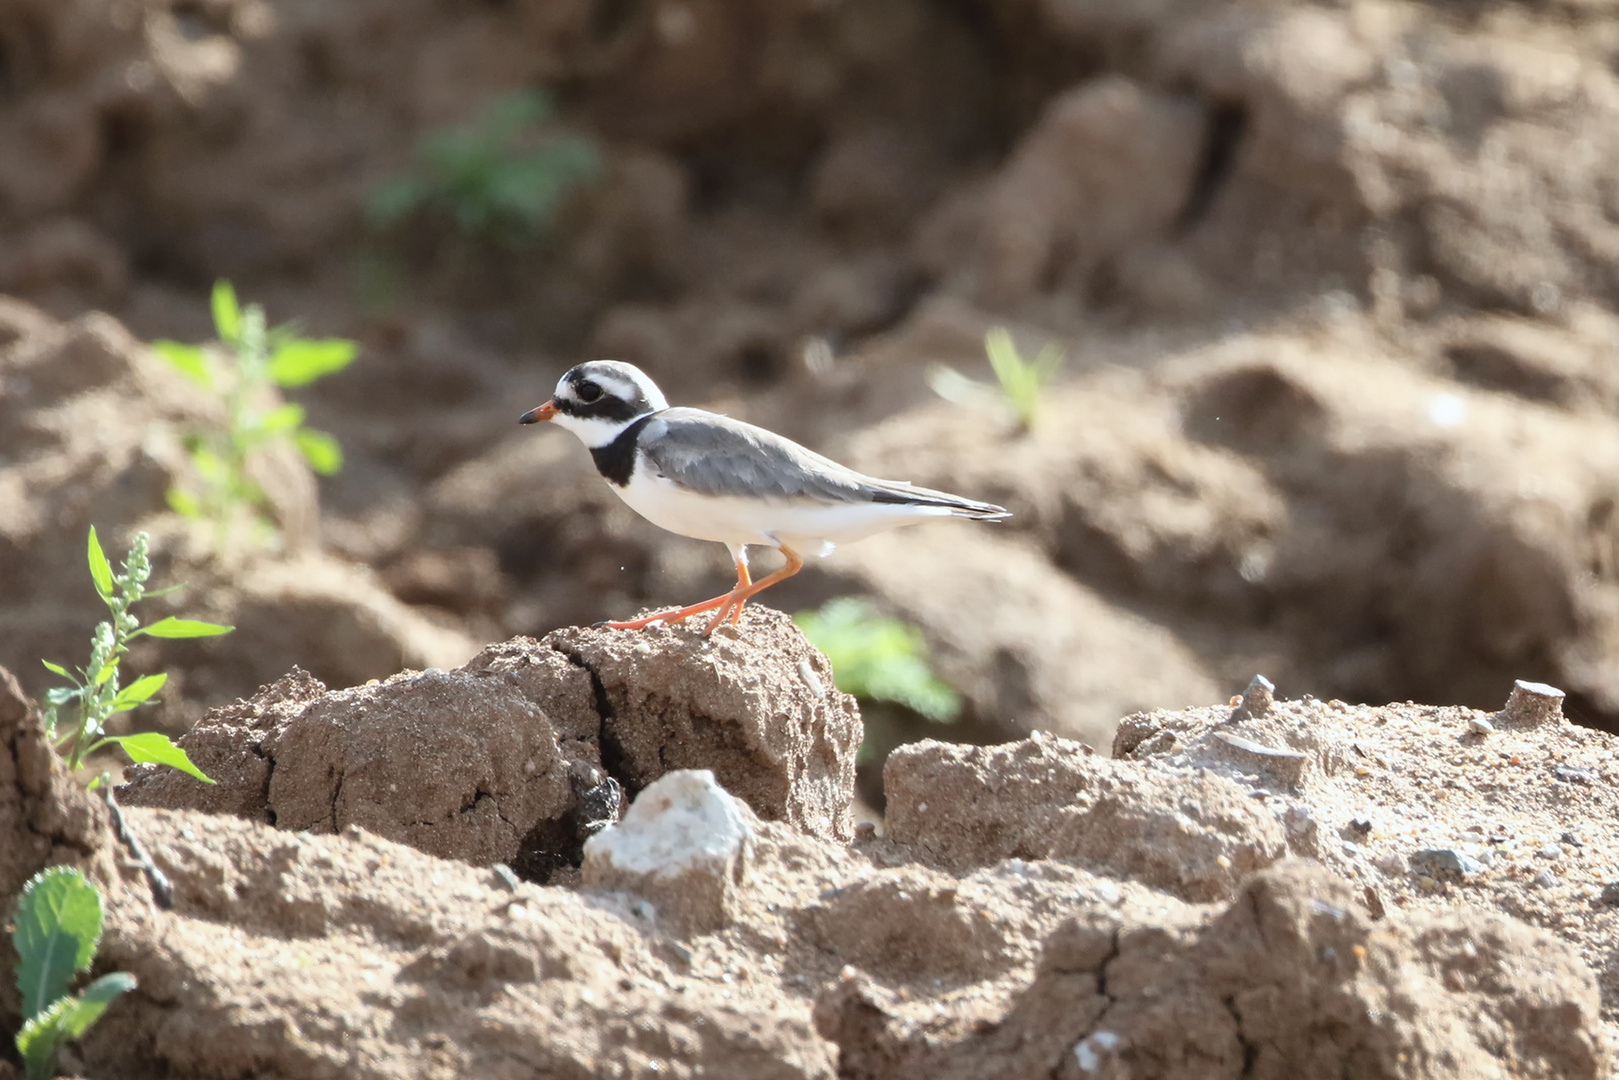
column 811, row 680
column 1550, row 851
column 921, row 808
column 1480, row 725
column 1546, row 879
column 1089, row 1050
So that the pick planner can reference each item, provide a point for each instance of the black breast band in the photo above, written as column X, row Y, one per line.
column 616, row 460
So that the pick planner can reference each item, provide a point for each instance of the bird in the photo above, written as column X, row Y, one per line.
column 710, row 477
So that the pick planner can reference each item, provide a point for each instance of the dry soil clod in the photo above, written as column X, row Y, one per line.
column 1531, row 704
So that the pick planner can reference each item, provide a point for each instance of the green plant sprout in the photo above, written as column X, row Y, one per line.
column 58, row 929
column 502, row 176
column 1021, row 383
column 876, row 657
column 252, row 359
column 95, row 688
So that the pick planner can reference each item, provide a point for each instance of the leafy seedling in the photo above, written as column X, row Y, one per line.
column 95, row 695
column 499, row 178
column 1020, row 384
column 249, row 360
column 878, row 658
column 58, row 929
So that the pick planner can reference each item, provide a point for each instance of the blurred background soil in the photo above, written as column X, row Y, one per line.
column 1335, row 282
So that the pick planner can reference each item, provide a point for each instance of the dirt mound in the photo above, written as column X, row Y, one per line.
column 1024, row 917
column 501, row 748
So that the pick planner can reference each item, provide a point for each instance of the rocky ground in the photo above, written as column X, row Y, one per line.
column 1264, row 889
column 1336, row 283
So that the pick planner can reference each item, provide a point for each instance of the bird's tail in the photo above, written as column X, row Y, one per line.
column 956, row 506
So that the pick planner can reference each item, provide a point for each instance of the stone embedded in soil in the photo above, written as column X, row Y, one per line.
column 1446, row 859
column 483, row 763
column 1287, row 766
column 1256, row 699
column 683, row 845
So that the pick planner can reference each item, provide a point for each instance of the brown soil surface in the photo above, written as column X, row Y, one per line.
column 1254, row 892
column 1334, row 280
column 1337, row 285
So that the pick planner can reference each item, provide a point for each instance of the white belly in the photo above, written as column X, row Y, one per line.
column 805, row 525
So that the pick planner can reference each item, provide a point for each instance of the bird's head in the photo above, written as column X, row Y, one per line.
column 598, row 399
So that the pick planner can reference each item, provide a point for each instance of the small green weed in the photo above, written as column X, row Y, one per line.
column 250, row 359
column 58, row 929
column 1021, row 383
column 501, row 177
column 95, row 688
column 876, row 657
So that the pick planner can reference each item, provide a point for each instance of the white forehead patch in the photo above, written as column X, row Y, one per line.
column 626, row 386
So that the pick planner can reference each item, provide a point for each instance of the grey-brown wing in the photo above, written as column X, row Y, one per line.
column 715, row 455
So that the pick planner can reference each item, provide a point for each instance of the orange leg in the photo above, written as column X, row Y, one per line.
column 745, row 591
column 728, row 604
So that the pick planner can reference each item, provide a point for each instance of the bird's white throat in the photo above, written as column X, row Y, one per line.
column 594, row 432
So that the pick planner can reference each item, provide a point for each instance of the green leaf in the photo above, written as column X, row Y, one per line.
column 58, row 926
column 182, row 628
column 100, row 568
column 93, row 1001
column 108, row 670
column 189, row 360
column 281, row 419
column 67, row 1018
column 40, row 1040
column 156, row 748
column 1003, row 354
column 878, row 658
column 299, row 362
column 322, row 451
column 184, row 503
column 227, row 313
column 394, row 200
column 139, row 692
column 56, row 669
column 210, row 465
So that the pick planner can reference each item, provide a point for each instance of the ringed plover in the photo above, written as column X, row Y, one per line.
column 709, row 477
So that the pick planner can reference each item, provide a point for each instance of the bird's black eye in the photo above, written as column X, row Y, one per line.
column 587, row 391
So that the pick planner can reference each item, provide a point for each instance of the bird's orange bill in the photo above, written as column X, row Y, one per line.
column 534, row 416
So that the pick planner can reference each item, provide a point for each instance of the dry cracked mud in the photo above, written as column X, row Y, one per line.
column 1241, row 891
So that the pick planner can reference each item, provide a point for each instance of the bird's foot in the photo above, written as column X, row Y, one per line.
column 666, row 617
